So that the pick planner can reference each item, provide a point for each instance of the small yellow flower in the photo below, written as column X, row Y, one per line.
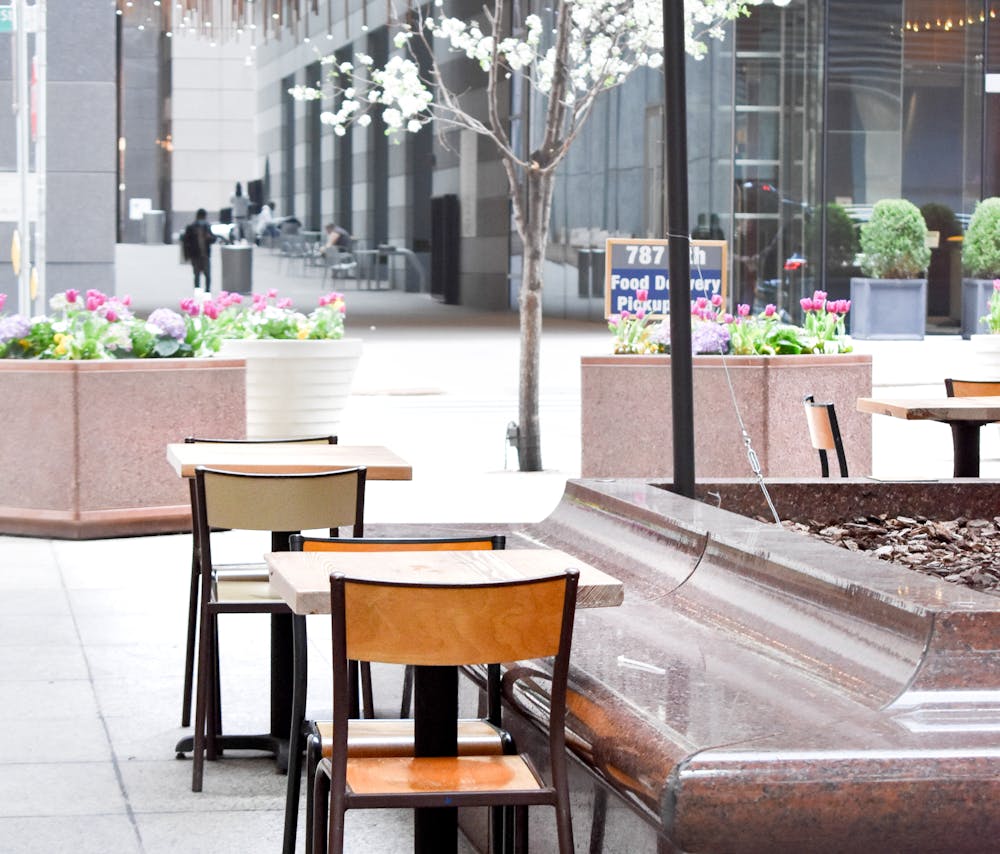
column 61, row 350
column 302, row 334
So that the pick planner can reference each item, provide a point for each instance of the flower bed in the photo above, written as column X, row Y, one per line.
column 625, row 399
column 92, row 395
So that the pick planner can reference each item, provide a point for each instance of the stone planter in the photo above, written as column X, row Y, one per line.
column 626, row 414
column 295, row 388
column 976, row 295
column 888, row 308
column 84, row 443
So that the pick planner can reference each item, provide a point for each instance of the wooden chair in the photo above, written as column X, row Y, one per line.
column 443, row 625
column 392, row 738
column 192, row 626
column 824, row 433
column 972, row 388
column 282, row 504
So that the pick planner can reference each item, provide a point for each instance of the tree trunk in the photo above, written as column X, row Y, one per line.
column 534, row 236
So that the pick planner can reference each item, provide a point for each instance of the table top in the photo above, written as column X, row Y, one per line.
column 302, row 579
column 983, row 409
column 286, row 458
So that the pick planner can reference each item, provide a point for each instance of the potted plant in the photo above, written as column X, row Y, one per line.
column 981, row 264
column 748, row 370
column 890, row 301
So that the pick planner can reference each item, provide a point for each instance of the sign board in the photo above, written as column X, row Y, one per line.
column 6, row 19
column 635, row 264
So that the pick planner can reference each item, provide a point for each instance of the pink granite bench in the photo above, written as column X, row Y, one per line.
column 759, row 691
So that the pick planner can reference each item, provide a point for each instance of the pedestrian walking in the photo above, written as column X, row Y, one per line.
column 241, row 212
column 197, row 242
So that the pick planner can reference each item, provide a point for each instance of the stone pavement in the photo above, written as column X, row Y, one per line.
column 91, row 633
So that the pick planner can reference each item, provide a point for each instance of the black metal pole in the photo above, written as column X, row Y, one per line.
column 675, row 173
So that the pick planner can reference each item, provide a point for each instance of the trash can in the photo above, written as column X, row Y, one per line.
column 153, row 223
column 237, row 268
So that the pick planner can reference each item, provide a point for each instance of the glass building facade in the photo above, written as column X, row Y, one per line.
column 805, row 108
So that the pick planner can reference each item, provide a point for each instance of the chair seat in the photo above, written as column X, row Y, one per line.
column 244, row 590
column 370, row 738
column 441, row 774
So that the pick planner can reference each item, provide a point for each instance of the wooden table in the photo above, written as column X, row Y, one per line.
column 283, row 458
column 302, row 579
column 280, row 458
column 965, row 415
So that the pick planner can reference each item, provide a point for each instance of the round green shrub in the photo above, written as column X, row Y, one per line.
column 981, row 247
column 894, row 241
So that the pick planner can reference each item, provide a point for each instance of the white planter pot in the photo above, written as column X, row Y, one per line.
column 295, row 388
column 987, row 357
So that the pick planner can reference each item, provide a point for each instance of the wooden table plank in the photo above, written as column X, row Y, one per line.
column 983, row 409
column 285, row 458
column 302, row 579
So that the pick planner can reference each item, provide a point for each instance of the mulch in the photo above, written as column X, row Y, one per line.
column 961, row 551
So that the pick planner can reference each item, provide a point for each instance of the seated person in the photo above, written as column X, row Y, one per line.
column 338, row 239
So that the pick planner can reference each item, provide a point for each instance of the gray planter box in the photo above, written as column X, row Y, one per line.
column 976, row 295
column 888, row 308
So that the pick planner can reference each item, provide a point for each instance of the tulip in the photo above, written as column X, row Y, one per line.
column 716, row 300
column 769, row 310
column 642, row 295
column 743, row 310
column 72, row 294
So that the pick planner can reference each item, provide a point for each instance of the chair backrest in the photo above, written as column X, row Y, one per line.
column 279, row 502
column 972, row 388
column 452, row 624
column 824, row 433
column 300, row 543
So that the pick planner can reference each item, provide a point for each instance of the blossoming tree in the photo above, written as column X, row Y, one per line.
column 583, row 48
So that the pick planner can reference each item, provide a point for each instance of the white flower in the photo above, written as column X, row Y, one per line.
column 364, row 120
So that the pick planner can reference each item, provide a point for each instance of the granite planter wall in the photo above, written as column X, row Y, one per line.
column 626, row 414
column 83, row 452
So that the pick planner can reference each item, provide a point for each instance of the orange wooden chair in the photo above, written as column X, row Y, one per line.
column 282, row 504
column 824, row 433
column 972, row 388
column 192, row 626
column 394, row 737
column 443, row 625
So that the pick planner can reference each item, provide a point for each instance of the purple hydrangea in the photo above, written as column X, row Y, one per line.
column 170, row 323
column 709, row 339
column 14, row 327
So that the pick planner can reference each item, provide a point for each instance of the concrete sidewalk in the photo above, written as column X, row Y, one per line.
column 91, row 633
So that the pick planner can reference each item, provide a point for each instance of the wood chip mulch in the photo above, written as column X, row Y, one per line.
column 962, row 551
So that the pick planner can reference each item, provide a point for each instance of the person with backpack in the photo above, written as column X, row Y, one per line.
column 197, row 241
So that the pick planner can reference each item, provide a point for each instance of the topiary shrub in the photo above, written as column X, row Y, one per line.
column 894, row 241
column 981, row 247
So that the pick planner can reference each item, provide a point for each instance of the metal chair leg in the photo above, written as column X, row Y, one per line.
column 192, row 632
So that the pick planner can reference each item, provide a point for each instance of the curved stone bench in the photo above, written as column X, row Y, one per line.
column 762, row 691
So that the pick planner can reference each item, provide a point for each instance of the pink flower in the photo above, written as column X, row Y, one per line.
column 743, row 310
column 126, row 300
column 210, row 309
column 111, row 316
column 625, row 315
column 831, row 307
column 716, row 300
column 806, row 304
column 769, row 310
column 847, row 306
column 642, row 295
column 93, row 303
column 996, row 284
column 640, row 314
column 72, row 294
column 272, row 292
column 819, row 296
column 728, row 318
column 286, row 302
column 189, row 306
column 702, row 302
